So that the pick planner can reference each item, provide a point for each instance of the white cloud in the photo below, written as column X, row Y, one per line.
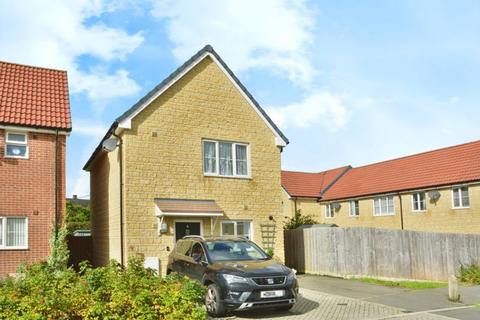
column 273, row 34
column 55, row 33
column 86, row 127
column 319, row 108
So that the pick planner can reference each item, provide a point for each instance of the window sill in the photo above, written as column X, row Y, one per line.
column 419, row 211
column 354, row 216
column 14, row 157
column 329, row 217
column 228, row 177
column 384, row 215
column 460, row 208
column 13, row 248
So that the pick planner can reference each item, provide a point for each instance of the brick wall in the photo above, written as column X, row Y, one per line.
column 28, row 190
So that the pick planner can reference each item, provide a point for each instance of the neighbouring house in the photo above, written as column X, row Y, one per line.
column 34, row 125
column 196, row 156
column 75, row 200
column 435, row 191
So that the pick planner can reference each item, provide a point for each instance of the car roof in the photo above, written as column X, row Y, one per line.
column 213, row 238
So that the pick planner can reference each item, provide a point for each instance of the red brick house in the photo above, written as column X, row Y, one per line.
column 34, row 125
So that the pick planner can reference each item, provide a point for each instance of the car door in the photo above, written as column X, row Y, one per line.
column 195, row 269
column 181, row 256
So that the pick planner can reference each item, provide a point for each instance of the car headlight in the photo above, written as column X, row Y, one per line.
column 230, row 278
column 292, row 274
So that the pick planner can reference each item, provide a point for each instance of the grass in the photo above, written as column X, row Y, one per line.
column 415, row 285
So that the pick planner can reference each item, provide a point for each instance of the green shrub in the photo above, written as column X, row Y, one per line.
column 58, row 259
column 298, row 220
column 470, row 274
column 110, row 292
column 78, row 217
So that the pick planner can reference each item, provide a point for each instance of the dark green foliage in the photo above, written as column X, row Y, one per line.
column 298, row 220
column 78, row 217
column 110, row 292
column 470, row 274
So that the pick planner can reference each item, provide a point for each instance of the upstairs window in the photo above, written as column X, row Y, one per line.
column 354, row 208
column 460, row 197
column 329, row 211
column 418, row 201
column 383, row 206
column 227, row 159
column 16, row 145
column 13, row 233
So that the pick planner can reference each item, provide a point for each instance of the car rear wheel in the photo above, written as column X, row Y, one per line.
column 213, row 302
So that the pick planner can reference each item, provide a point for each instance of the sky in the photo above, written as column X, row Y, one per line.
column 348, row 82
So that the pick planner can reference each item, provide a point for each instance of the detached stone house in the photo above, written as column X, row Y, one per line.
column 34, row 125
column 436, row 191
column 196, row 155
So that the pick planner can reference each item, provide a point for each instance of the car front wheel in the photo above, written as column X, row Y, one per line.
column 213, row 302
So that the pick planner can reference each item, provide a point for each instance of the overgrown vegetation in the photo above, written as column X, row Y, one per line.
column 78, row 217
column 50, row 290
column 298, row 220
column 415, row 285
column 470, row 274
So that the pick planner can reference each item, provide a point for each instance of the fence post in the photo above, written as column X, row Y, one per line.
column 453, row 294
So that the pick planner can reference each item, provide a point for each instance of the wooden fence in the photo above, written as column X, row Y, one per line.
column 380, row 253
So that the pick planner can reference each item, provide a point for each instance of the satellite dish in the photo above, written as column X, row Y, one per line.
column 336, row 206
column 434, row 195
column 109, row 145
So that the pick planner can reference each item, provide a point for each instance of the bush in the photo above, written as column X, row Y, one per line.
column 78, row 217
column 110, row 292
column 470, row 274
column 298, row 220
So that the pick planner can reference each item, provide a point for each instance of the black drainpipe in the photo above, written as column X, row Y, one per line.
column 122, row 259
column 56, row 185
column 401, row 211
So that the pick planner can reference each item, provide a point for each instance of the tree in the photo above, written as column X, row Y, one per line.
column 298, row 220
column 78, row 217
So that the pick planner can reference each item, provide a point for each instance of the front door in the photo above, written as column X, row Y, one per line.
column 183, row 229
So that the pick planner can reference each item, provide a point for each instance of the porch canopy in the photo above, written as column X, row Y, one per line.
column 188, row 208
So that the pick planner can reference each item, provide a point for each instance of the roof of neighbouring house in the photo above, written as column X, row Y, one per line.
column 79, row 202
column 446, row 166
column 310, row 184
column 34, row 97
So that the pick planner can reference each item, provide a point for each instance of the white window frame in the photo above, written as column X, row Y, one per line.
column 329, row 211
column 383, row 214
column 235, row 229
column 356, row 205
column 415, row 196
column 3, row 245
column 234, row 159
column 16, row 143
column 460, row 200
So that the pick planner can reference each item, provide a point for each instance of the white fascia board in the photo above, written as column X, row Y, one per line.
column 32, row 129
column 127, row 123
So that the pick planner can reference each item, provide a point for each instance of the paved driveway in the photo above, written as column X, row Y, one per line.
column 337, row 299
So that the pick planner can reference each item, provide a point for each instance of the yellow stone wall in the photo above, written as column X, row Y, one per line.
column 105, row 206
column 163, row 159
column 439, row 216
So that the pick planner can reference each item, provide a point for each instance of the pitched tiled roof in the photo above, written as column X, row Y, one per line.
column 188, row 206
column 310, row 184
column 451, row 165
column 34, row 97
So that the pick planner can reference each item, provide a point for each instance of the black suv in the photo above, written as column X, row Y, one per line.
column 239, row 275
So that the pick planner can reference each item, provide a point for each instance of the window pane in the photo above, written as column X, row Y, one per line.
column 209, row 157
column 422, row 204
column 1, row 232
column 377, row 206
column 15, row 137
column 241, row 153
column 228, row 229
column 16, row 235
column 465, row 199
column 226, row 165
column 16, row 151
column 243, row 229
column 456, row 198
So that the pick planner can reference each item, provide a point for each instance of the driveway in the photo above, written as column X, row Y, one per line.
column 337, row 299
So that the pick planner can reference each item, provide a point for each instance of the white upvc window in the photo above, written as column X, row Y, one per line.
column 226, row 159
column 236, row 228
column 383, row 206
column 13, row 233
column 329, row 210
column 460, row 198
column 16, row 145
column 354, row 208
column 418, row 202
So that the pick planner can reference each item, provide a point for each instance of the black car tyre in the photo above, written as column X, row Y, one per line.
column 285, row 308
column 213, row 302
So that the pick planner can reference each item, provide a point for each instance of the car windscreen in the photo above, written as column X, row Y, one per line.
column 220, row 250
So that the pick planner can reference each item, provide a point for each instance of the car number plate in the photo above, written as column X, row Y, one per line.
column 272, row 293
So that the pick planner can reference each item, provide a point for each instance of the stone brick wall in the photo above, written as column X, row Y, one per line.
column 28, row 190
column 439, row 216
column 163, row 159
